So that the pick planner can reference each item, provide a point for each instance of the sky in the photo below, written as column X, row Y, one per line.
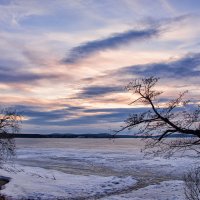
column 64, row 63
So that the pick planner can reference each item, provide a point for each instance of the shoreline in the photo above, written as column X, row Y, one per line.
column 3, row 181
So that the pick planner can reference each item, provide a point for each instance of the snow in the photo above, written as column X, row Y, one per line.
column 119, row 161
column 34, row 183
column 74, row 169
column 166, row 190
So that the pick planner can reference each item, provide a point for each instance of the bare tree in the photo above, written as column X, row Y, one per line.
column 160, row 119
column 9, row 125
column 192, row 184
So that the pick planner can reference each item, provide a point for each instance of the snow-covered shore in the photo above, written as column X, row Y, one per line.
column 166, row 190
column 38, row 183
column 113, row 172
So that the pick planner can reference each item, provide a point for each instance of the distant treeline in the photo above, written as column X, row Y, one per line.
column 58, row 135
column 69, row 135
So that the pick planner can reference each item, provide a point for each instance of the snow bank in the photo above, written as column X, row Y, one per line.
column 166, row 190
column 39, row 183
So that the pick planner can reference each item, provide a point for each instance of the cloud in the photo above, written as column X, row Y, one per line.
column 155, row 27
column 98, row 91
column 63, row 117
column 111, row 42
column 12, row 12
column 42, row 115
column 11, row 75
column 168, row 7
column 5, row 2
column 185, row 67
column 70, row 116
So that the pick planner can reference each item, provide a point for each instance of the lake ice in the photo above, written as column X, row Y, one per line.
column 93, row 169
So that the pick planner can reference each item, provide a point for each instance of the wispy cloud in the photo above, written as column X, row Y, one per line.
column 168, row 7
column 111, row 42
column 92, row 91
column 117, row 42
column 186, row 66
column 63, row 117
column 12, row 75
column 12, row 12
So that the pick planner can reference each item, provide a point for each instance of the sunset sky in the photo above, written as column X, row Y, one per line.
column 64, row 63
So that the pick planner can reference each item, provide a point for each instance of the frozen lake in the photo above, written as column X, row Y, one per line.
column 79, row 156
column 97, row 157
column 116, row 168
